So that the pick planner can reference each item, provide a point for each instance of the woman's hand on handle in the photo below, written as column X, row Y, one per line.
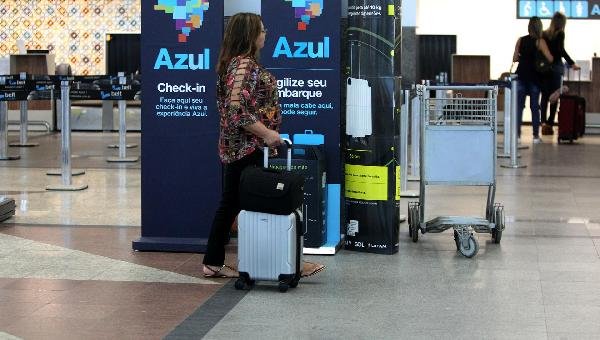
column 272, row 138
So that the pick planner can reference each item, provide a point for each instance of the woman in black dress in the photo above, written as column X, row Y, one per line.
column 526, row 50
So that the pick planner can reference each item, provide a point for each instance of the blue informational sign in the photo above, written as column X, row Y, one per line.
column 579, row 9
column 574, row 9
column 563, row 7
column 545, row 9
column 302, row 50
column 527, row 8
column 181, row 172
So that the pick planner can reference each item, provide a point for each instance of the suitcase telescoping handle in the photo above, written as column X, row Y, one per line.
column 288, row 144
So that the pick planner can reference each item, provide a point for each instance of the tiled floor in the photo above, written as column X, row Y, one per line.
column 67, row 270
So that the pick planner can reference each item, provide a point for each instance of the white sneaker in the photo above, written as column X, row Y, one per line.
column 537, row 140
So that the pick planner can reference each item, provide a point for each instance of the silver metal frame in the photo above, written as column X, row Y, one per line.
column 403, row 150
column 66, row 171
column 514, row 147
column 123, row 131
column 122, row 146
column 4, row 156
column 456, row 118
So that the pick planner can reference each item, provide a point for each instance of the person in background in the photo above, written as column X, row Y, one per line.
column 250, row 117
column 555, row 39
column 529, row 80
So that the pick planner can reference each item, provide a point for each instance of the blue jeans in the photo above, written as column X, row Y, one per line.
column 531, row 89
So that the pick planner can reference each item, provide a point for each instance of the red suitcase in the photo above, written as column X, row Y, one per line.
column 571, row 118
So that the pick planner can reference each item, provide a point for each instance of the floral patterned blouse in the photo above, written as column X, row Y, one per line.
column 246, row 94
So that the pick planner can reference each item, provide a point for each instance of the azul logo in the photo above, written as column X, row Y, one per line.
column 306, row 10
column 182, row 61
column 302, row 49
column 187, row 14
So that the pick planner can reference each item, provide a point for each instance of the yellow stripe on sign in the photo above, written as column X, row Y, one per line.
column 369, row 183
column 398, row 183
column 391, row 10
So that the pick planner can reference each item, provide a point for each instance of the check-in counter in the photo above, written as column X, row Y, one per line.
column 589, row 88
column 32, row 63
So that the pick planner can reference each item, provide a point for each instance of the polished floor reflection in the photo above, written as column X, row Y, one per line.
column 67, row 270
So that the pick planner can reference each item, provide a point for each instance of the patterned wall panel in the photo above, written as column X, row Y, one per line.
column 73, row 30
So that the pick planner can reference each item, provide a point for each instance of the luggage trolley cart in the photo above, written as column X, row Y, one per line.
column 458, row 147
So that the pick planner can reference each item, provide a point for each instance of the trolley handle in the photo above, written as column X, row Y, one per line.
column 288, row 144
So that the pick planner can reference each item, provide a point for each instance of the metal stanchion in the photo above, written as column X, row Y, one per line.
column 24, row 122
column 122, row 130
column 415, row 124
column 507, row 123
column 4, row 156
column 404, row 192
column 24, row 127
column 514, row 157
column 66, row 184
column 58, row 172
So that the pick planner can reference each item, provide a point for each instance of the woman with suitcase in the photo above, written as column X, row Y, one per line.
column 250, row 117
column 551, row 82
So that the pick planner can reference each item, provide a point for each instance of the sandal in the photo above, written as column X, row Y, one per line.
column 220, row 273
column 316, row 268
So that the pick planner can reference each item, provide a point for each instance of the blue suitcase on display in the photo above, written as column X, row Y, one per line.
column 308, row 159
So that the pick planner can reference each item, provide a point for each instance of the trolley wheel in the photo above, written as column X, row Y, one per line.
column 283, row 287
column 240, row 283
column 414, row 226
column 456, row 240
column 472, row 248
column 415, row 233
column 409, row 221
column 497, row 232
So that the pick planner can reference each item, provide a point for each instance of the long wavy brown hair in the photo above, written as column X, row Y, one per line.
column 240, row 38
column 535, row 27
column 557, row 24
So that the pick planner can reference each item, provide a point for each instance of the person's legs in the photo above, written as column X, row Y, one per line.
column 556, row 83
column 534, row 100
column 227, row 210
column 544, row 106
column 553, row 109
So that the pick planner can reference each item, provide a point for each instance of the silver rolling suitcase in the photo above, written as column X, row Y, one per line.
column 270, row 246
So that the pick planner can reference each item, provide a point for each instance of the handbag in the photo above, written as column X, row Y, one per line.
column 542, row 65
column 271, row 191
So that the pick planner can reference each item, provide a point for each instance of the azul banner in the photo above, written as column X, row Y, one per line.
column 302, row 50
column 370, row 165
column 181, row 172
column 574, row 9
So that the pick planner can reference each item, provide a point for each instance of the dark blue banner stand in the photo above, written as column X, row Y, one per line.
column 302, row 50
column 181, row 172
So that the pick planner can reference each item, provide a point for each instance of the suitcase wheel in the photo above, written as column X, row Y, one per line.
column 243, row 282
column 283, row 287
column 240, row 284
